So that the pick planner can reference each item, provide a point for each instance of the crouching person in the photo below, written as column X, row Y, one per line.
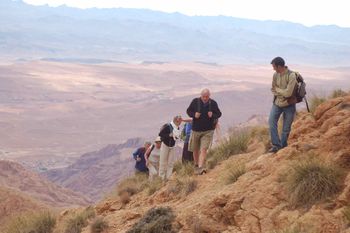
column 138, row 155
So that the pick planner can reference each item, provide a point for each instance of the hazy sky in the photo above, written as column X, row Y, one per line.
column 307, row 12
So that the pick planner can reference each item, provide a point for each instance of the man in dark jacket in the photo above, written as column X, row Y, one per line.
column 138, row 155
column 205, row 113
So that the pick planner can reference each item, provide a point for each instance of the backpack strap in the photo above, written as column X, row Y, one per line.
column 199, row 105
column 150, row 151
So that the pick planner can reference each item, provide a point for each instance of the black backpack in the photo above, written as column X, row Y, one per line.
column 300, row 89
column 215, row 121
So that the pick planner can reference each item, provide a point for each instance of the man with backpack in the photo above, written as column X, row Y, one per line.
column 205, row 114
column 169, row 133
column 284, row 86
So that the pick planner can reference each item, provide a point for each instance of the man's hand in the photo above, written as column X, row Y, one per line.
column 138, row 159
column 210, row 114
column 197, row 115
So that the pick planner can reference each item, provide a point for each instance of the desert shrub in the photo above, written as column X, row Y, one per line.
column 79, row 221
column 43, row 222
column 237, row 143
column 290, row 230
column 183, row 169
column 261, row 133
column 154, row 185
column 156, row 220
column 183, row 186
column 338, row 93
column 312, row 181
column 316, row 101
column 98, row 225
column 346, row 213
column 133, row 185
column 233, row 172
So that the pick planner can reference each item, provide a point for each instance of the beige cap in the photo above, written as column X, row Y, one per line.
column 158, row 139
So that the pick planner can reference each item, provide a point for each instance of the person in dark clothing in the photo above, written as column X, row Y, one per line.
column 138, row 155
column 187, row 156
column 205, row 113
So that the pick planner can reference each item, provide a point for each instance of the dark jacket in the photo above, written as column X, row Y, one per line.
column 203, row 123
column 140, row 165
column 165, row 135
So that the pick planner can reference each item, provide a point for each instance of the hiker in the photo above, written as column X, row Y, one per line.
column 169, row 133
column 283, row 85
column 187, row 156
column 152, row 156
column 205, row 113
column 138, row 155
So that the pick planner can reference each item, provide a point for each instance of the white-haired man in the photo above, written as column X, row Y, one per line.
column 205, row 113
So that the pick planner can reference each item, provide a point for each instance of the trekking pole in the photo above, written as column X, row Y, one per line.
column 307, row 104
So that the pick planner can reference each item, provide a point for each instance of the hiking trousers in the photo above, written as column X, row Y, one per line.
column 288, row 114
column 166, row 161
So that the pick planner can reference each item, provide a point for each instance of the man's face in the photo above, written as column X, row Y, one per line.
column 278, row 69
column 205, row 97
column 158, row 144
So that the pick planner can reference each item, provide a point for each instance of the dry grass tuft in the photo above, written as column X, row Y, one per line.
column 43, row 222
column 156, row 220
column 313, row 181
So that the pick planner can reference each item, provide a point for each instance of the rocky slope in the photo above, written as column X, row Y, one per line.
column 20, row 184
column 258, row 201
column 94, row 173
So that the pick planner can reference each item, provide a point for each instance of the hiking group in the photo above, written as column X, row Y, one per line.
column 197, row 133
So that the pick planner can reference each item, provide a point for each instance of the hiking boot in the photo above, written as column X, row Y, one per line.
column 200, row 171
column 273, row 150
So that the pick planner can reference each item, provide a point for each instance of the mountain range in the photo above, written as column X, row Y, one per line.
column 132, row 35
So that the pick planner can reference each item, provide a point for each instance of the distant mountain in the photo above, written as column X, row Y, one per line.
column 63, row 33
column 14, row 178
column 96, row 173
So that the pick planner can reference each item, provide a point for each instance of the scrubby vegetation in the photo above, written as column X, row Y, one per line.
column 237, row 143
column 133, row 185
column 98, row 225
column 232, row 172
column 76, row 223
column 182, row 186
column 183, row 169
column 43, row 222
column 156, row 220
column 154, row 185
column 311, row 181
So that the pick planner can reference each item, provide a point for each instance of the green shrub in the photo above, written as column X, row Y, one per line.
column 312, row 181
column 316, row 101
column 346, row 213
column 79, row 221
column 154, row 185
column 43, row 222
column 233, row 172
column 183, row 169
column 156, row 220
column 262, row 133
column 237, row 143
column 98, row 225
column 133, row 185
column 183, row 186
column 290, row 230
column 338, row 93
